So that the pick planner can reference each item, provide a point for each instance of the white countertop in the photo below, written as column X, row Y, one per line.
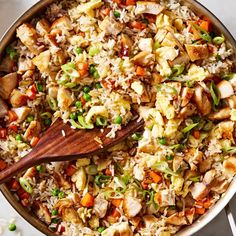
column 9, row 11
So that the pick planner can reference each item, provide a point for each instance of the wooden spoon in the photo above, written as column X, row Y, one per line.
column 74, row 144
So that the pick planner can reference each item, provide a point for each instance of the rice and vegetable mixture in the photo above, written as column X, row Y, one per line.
column 91, row 64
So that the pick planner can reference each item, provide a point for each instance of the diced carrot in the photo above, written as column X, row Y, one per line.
column 82, row 68
column 13, row 127
column 12, row 116
column 205, row 25
column 14, row 185
column 138, row 25
column 140, row 71
column 118, row 1
column 200, row 211
column 34, row 141
column 115, row 213
column 130, row 2
column 108, row 84
column 83, row 100
column 196, row 134
column 207, row 203
column 106, row 11
column 70, row 170
column 156, row 178
column 3, row 164
column 3, row 133
column 144, row 184
column 31, row 92
column 87, row 200
column 108, row 172
column 117, row 202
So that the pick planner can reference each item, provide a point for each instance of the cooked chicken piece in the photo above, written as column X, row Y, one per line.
column 190, row 173
column 100, row 206
column 52, row 92
column 116, row 229
column 131, row 206
column 165, row 197
column 17, row 98
column 7, row 84
column 28, row 36
column 110, row 26
column 61, row 181
column 59, row 58
column 187, row 111
column 205, row 165
column 189, row 214
column 33, row 130
column 148, row 7
column 202, row 101
column 220, row 186
column 182, row 58
column 42, row 212
column 231, row 102
column 143, row 58
column 63, row 23
column 64, row 98
column 3, row 108
column 126, row 44
column 177, row 219
column 229, row 166
column 138, row 87
column 25, row 64
column 42, row 61
column 7, row 65
column 146, row 44
column 22, row 113
column 66, row 210
column 221, row 114
column 43, row 27
column 79, row 41
column 186, row 95
column 178, row 162
column 197, row 52
column 149, row 221
column 226, row 129
column 199, row 191
column 80, row 179
column 51, row 40
column 30, row 173
column 209, row 177
column 225, row 88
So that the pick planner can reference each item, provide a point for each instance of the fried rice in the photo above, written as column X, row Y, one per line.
column 92, row 63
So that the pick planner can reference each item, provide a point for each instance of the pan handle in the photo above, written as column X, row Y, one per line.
column 231, row 220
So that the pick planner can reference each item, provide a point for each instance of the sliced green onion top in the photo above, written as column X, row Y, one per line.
column 46, row 115
column 215, row 94
column 203, row 34
column 136, row 136
column 25, row 185
column 101, row 121
column 156, row 45
column 218, row 40
column 52, row 103
column 70, row 69
column 91, row 170
column 29, row 118
column 39, row 87
column 189, row 127
column 163, row 166
column 11, row 52
column 93, row 50
column 195, row 178
column 101, row 179
column 101, row 229
column 230, row 150
column 228, row 76
column 84, row 124
column 178, row 70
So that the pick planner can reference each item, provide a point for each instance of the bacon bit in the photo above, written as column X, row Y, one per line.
column 115, row 213
column 12, row 116
column 82, row 68
column 117, row 202
column 22, row 194
column 70, row 170
column 13, row 127
column 138, row 25
column 14, row 185
column 140, row 71
column 108, row 172
column 34, row 141
column 155, row 177
column 130, row 2
column 3, row 164
column 200, row 211
column 196, row 134
column 106, row 11
column 3, row 133
column 31, row 92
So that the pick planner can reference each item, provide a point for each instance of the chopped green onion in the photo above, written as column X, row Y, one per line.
column 55, row 220
column 48, row 121
column 12, row 227
column 73, row 116
column 19, row 137
column 215, row 94
column 61, row 195
column 11, row 52
column 39, row 87
column 189, row 127
column 101, row 121
column 163, row 166
column 54, row 212
column 25, row 185
column 39, row 168
column 167, row 88
column 29, row 118
column 78, row 50
column 156, row 45
column 55, row 192
column 91, row 170
column 230, row 150
column 169, row 158
column 136, row 136
column 162, row 141
column 86, row 89
column 101, row 179
column 152, row 200
column 52, row 103
column 190, row 84
column 202, row 33
column 177, row 147
column 101, row 229
column 195, row 178
column 98, row 85
column 228, row 76
column 208, row 126
column 84, row 124
column 70, row 85
column 78, row 104
column 218, row 40
column 178, row 70
column 70, row 69
column 116, row 14
column 93, row 51
column 46, row 115
column 118, row 120
column 76, row 125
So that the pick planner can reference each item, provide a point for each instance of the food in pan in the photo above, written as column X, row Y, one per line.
column 91, row 64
